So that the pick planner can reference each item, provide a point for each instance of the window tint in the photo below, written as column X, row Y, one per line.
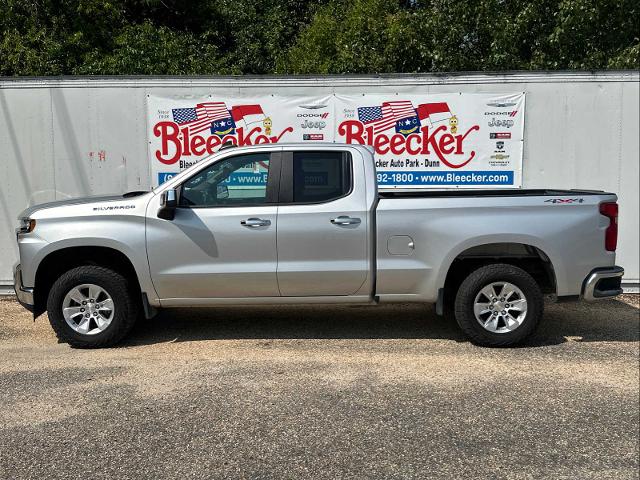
column 320, row 176
column 240, row 180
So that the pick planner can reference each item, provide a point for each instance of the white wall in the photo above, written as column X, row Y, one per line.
column 581, row 131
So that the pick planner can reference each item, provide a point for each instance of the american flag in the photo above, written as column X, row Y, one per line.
column 386, row 116
column 199, row 119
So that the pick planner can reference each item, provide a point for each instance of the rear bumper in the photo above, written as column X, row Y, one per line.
column 602, row 283
column 25, row 295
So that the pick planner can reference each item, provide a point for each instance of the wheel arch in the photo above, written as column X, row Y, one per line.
column 524, row 254
column 58, row 261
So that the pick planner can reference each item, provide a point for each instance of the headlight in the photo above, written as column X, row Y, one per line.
column 26, row 225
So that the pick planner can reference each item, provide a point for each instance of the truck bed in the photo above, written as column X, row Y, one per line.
column 511, row 192
column 565, row 226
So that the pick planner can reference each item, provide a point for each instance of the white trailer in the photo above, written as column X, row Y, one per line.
column 78, row 136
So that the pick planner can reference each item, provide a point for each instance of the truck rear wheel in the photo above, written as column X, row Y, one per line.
column 499, row 305
column 91, row 307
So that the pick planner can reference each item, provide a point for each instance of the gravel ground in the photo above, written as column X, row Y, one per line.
column 323, row 392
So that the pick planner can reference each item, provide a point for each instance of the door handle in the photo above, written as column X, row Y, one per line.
column 344, row 220
column 255, row 222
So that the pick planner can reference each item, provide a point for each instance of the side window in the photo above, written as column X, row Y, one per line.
column 240, row 180
column 320, row 176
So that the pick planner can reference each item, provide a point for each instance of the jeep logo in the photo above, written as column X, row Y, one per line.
column 319, row 124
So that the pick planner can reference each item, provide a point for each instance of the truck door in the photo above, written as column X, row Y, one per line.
column 322, row 224
column 222, row 241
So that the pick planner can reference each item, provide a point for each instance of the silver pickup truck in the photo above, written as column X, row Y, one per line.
column 301, row 224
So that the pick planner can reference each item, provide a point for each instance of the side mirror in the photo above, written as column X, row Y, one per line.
column 168, row 204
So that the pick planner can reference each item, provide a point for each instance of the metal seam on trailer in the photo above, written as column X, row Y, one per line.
column 249, row 81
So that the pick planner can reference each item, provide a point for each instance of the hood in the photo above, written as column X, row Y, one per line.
column 27, row 212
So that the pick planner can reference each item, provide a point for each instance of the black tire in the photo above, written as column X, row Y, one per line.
column 125, row 313
column 479, row 279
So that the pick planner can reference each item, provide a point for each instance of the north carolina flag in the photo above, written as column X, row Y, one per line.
column 434, row 112
column 247, row 113
column 408, row 126
column 222, row 127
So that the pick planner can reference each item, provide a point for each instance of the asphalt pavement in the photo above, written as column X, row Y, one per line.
column 323, row 393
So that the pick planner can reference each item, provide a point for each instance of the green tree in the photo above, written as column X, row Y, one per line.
column 377, row 36
column 173, row 37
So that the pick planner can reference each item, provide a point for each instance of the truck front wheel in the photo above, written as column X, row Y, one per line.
column 91, row 307
column 499, row 305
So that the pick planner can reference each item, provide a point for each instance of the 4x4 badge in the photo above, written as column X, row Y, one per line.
column 564, row 200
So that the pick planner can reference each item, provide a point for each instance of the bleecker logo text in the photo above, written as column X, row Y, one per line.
column 423, row 142
column 176, row 142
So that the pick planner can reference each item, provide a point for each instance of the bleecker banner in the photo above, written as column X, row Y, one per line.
column 438, row 141
column 183, row 131
column 425, row 141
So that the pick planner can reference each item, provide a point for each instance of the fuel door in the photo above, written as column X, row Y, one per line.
column 400, row 245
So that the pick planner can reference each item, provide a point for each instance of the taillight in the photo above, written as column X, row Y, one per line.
column 610, row 210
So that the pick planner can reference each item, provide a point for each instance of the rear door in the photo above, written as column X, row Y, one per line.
column 322, row 224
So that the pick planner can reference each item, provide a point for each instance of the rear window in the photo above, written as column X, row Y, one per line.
column 320, row 176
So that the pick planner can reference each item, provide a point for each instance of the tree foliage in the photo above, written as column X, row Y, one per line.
column 173, row 37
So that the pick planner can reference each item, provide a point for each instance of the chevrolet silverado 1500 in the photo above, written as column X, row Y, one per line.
column 293, row 224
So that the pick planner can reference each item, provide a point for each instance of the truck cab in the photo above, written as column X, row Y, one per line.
column 266, row 224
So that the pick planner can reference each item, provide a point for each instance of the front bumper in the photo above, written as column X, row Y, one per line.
column 603, row 283
column 25, row 295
